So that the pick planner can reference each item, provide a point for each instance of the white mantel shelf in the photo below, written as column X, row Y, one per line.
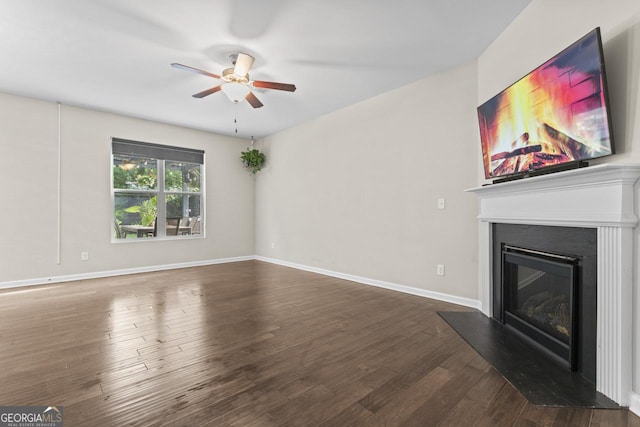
column 600, row 197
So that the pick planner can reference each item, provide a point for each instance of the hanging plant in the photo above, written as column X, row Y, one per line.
column 253, row 159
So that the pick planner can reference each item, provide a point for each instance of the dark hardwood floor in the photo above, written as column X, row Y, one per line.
column 252, row 344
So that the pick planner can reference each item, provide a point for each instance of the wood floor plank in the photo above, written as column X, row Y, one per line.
column 252, row 344
column 548, row 416
column 504, row 409
column 478, row 406
column 434, row 410
column 623, row 418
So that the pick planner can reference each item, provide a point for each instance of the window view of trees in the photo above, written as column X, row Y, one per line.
column 136, row 178
column 182, row 183
column 146, row 189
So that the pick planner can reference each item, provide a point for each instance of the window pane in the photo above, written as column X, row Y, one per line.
column 135, row 214
column 183, row 205
column 182, row 176
column 186, row 207
column 134, row 173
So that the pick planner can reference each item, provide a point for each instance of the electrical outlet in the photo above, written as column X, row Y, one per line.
column 440, row 270
column 441, row 203
column 273, row 245
column 84, row 256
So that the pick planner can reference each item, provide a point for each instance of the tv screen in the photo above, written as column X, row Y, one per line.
column 556, row 115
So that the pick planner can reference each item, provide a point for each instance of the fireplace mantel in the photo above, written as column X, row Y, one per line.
column 600, row 197
column 587, row 197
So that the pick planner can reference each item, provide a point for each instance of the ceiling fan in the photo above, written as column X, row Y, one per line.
column 236, row 84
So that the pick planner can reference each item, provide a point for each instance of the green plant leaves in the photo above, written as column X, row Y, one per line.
column 147, row 210
column 253, row 159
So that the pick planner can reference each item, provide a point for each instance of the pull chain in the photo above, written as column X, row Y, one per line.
column 235, row 115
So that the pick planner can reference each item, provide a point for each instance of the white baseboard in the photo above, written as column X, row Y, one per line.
column 110, row 273
column 358, row 279
column 634, row 403
column 467, row 302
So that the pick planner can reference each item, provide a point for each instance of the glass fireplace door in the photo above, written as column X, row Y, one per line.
column 539, row 294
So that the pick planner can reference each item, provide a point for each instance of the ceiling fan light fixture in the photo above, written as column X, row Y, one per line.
column 229, row 76
column 236, row 92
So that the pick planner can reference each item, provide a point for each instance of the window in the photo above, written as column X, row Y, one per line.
column 157, row 190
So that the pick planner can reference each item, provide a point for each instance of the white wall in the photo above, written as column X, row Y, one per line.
column 356, row 191
column 28, row 175
column 548, row 26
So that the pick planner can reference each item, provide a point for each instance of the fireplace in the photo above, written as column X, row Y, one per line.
column 553, row 306
column 539, row 300
column 599, row 200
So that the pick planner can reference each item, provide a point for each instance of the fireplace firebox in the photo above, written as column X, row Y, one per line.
column 539, row 300
column 545, row 288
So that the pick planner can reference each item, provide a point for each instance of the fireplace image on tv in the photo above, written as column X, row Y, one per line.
column 555, row 116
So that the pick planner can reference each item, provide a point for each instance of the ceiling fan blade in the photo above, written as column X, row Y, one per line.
column 207, row 92
column 194, row 70
column 251, row 99
column 272, row 85
column 243, row 63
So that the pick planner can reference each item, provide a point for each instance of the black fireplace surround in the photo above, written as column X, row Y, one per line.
column 556, row 263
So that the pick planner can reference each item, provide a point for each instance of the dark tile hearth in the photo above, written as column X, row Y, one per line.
column 539, row 379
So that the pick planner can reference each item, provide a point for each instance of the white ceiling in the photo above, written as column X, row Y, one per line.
column 115, row 55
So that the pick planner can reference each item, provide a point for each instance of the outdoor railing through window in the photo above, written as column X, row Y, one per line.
column 157, row 190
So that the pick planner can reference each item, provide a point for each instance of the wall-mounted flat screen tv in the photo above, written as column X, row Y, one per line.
column 556, row 115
